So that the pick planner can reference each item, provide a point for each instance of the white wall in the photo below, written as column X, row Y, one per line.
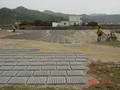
column 64, row 23
column 75, row 23
column 75, row 19
column 54, row 24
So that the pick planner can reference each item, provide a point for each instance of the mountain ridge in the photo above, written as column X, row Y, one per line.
column 8, row 16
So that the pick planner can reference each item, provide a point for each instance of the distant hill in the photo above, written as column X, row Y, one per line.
column 8, row 16
column 66, row 16
column 102, row 18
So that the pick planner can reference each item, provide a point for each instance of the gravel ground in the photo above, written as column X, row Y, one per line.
column 42, row 35
column 58, row 36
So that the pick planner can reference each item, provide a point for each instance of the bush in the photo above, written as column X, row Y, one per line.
column 92, row 24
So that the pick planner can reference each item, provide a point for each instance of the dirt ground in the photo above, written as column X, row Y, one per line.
column 95, row 52
column 82, row 41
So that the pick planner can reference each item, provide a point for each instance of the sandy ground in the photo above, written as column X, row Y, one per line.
column 7, row 33
column 94, row 52
column 3, row 34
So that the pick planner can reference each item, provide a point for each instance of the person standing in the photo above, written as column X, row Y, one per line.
column 99, row 33
column 14, row 28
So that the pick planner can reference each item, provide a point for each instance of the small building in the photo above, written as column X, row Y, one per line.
column 64, row 24
column 73, row 21
column 55, row 24
column 60, row 24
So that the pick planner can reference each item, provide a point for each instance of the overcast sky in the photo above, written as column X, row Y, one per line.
column 67, row 6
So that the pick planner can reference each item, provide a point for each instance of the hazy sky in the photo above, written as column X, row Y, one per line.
column 67, row 6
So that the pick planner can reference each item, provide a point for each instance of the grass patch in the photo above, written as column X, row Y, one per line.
column 6, row 33
column 103, row 87
column 117, row 31
column 8, row 88
column 110, row 43
column 103, row 72
column 35, row 88
column 106, row 71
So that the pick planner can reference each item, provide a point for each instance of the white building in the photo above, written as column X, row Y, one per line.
column 55, row 24
column 73, row 20
column 60, row 24
column 64, row 23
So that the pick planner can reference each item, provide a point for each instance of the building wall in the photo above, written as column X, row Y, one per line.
column 60, row 24
column 55, row 24
column 64, row 23
column 75, row 20
column 74, row 23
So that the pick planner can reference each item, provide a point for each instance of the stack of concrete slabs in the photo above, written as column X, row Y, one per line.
column 29, row 67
